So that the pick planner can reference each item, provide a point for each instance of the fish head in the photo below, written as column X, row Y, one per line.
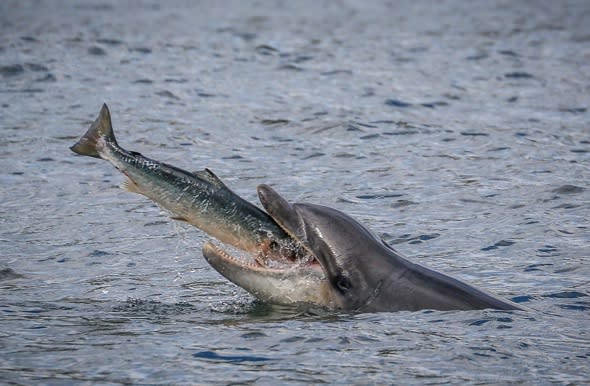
column 351, row 256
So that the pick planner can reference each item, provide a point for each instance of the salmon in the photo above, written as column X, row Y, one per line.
column 200, row 198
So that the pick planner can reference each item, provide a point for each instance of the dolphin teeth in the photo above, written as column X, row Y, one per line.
column 246, row 263
column 261, row 261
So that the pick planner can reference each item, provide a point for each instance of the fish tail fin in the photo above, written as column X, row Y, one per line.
column 100, row 128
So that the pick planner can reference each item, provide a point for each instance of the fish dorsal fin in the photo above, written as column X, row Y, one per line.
column 210, row 177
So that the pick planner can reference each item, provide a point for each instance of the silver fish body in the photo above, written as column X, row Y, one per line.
column 199, row 198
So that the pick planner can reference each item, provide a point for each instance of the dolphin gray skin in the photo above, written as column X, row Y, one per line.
column 365, row 274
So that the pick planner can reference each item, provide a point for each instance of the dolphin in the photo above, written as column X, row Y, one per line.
column 361, row 272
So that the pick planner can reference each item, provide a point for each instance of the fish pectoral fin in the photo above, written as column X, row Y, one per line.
column 179, row 218
column 130, row 186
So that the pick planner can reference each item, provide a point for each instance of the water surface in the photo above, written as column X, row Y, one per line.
column 458, row 131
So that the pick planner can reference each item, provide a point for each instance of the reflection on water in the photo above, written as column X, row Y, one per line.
column 456, row 131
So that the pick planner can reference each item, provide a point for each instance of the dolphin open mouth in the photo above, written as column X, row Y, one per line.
column 269, row 255
column 265, row 260
column 282, row 275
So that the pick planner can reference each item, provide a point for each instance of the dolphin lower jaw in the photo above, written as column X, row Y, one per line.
column 287, row 283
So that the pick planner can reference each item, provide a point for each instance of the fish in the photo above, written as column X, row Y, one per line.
column 198, row 198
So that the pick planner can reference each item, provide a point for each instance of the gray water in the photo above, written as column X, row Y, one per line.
column 459, row 131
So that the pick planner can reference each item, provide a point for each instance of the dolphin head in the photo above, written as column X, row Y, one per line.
column 350, row 255
column 329, row 275
column 344, row 267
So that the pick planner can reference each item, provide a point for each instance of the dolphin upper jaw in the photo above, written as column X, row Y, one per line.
column 284, row 213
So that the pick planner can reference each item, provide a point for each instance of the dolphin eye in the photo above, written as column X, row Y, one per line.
column 343, row 284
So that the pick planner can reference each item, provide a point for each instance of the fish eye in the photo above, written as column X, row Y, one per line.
column 343, row 284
